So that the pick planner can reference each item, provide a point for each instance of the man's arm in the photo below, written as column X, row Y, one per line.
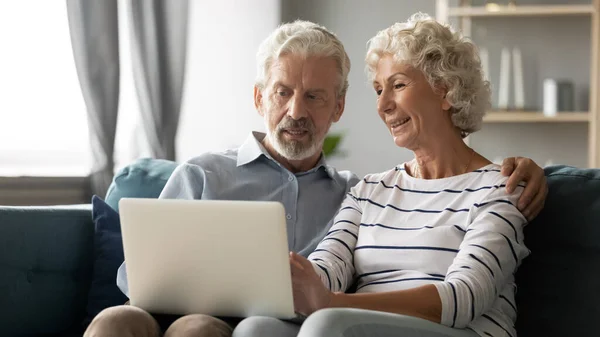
column 533, row 198
column 186, row 182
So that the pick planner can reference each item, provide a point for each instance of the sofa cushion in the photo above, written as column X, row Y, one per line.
column 145, row 178
column 108, row 256
column 45, row 269
column 558, row 287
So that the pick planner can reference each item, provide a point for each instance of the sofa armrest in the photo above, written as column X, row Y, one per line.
column 46, row 263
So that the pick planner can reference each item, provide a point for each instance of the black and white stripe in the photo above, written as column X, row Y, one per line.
column 462, row 234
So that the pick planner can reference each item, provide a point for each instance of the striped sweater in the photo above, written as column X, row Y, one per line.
column 463, row 234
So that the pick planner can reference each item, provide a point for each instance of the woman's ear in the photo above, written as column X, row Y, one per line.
column 445, row 103
column 442, row 91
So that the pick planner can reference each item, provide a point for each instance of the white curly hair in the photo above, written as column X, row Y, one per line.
column 446, row 58
column 302, row 38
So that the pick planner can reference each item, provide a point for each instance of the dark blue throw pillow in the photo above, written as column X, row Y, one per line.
column 108, row 256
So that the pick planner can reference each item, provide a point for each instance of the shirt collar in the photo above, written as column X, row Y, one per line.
column 252, row 149
column 322, row 164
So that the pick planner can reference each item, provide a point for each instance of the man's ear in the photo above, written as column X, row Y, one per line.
column 258, row 100
column 340, row 104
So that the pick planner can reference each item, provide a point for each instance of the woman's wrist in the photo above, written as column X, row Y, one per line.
column 337, row 300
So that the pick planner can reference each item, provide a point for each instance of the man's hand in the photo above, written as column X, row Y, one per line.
column 533, row 198
column 310, row 294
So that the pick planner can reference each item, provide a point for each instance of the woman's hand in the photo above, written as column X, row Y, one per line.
column 533, row 198
column 310, row 294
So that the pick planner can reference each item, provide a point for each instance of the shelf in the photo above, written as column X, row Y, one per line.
column 534, row 117
column 466, row 16
column 541, row 10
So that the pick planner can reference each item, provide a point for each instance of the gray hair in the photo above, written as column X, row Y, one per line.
column 446, row 58
column 302, row 38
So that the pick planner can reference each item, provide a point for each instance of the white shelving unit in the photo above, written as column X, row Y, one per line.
column 465, row 12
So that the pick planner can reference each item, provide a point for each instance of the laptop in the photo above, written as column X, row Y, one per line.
column 221, row 258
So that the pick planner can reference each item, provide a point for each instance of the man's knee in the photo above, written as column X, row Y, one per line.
column 199, row 326
column 123, row 320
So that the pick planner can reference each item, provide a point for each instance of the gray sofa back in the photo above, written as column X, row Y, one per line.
column 559, row 283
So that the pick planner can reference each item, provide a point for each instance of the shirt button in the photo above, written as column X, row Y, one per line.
column 289, row 216
column 291, row 178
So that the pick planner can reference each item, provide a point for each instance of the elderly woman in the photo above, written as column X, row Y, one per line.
column 437, row 238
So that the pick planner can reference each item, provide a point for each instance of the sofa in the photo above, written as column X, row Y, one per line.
column 47, row 257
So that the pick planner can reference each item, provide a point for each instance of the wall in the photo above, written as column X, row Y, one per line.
column 555, row 47
column 218, row 110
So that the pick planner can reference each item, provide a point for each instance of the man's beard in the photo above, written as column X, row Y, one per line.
column 295, row 149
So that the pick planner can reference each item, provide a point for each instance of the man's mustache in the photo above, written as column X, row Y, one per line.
column 302, row 123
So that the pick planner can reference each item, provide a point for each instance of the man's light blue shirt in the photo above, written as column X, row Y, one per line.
column 311, row 199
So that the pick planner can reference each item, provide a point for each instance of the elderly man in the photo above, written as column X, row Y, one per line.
column 299, row 92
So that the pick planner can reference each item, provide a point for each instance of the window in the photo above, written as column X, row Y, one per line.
column 43, row 119
column 43, row 126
